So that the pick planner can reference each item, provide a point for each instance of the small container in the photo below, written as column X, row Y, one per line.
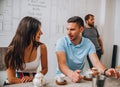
column 60, row 79
column 38, row 80
column 88, row 74
column 95, row 72
column 100, row 80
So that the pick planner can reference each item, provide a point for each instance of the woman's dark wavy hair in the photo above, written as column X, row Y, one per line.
column 26, row 32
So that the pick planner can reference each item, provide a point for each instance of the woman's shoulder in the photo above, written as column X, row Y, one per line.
column 42, row 46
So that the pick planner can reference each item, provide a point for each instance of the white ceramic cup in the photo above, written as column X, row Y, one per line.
column 60, row 79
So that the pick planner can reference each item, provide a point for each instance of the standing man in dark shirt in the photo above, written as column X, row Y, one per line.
column 92, row 33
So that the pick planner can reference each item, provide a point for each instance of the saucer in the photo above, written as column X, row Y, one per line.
column 61, row 83
column 88, row 79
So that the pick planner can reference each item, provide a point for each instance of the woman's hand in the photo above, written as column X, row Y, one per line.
column 26, row 79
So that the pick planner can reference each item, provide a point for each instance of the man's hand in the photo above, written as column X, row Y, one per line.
column 112, row 72
column 75, row 76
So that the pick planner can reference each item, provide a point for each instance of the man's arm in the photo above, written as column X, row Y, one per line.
column 96, row 62
column 73, row 75
column 61, row 57
column 101, row 44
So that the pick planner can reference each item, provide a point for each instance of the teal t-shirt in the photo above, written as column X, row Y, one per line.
column 75, row 54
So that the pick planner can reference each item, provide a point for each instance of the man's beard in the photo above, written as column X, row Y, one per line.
column 91, row 25
column 75, row 38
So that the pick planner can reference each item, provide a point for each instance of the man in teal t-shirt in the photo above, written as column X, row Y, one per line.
column 76, row 53
column 72, row 50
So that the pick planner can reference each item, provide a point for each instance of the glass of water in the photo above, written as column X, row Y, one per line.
column 100, row 80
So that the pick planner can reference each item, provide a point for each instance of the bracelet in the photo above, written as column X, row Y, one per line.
column 104, row 73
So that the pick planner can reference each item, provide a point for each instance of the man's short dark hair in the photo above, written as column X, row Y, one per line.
column 76, row 19
column 87, row 17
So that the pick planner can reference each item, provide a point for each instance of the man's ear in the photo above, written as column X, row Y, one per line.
column 81, row 29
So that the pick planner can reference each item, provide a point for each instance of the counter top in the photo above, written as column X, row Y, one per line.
column 109, row 82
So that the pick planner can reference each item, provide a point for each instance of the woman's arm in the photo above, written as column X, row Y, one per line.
column 44, row 61
column 11, row 74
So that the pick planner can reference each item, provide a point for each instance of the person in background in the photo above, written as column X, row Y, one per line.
column 92, row 33
column 26, row 55
column 72, row 50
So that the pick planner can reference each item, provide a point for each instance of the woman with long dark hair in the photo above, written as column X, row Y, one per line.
column 26, row 55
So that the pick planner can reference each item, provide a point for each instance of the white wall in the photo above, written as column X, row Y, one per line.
column 108, row 32
column 117, row 30
column 111, row 31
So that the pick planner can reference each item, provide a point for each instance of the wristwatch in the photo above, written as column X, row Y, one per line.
column 104, row 73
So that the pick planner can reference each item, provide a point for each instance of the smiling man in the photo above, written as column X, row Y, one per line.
column 72, row 50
